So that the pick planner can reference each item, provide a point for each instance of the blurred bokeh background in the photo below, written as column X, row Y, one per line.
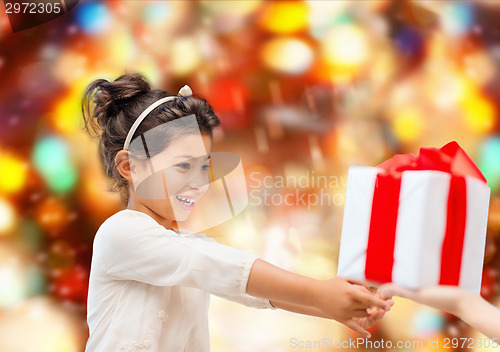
column 304, row 89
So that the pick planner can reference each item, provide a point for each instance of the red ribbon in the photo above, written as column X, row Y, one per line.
column 381, row 239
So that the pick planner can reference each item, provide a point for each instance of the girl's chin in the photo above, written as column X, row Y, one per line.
column 182, row 210
column 181, row 216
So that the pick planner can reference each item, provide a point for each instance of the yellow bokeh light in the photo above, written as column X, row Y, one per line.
column 70, row 66
column 13, row 276
column 345, row 50
column 93, row 191
column 347, row 147
column 287, row 55
column 321, row 13
column 345, row 46
column 446, row 88
column 285, row 17
column 408, row 125
column 478, row 113
column 67, row 116
column 7, row 216
column 147, row 66
column 121, row 46
column 12, row 174
column 184, row 56
column 232, row 8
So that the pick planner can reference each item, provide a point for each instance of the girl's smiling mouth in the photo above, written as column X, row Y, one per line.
column 187, row 202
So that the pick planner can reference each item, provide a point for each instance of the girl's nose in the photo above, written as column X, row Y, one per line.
column 199, row 180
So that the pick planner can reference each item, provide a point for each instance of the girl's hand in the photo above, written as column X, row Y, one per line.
column 355, row 305
column 374, row 314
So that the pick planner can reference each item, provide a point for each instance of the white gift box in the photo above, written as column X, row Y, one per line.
column 422, row 218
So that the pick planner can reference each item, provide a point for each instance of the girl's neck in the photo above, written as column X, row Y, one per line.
column 167, row 223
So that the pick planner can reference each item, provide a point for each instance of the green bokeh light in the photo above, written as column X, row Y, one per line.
column 52, row 159
column 489, row 162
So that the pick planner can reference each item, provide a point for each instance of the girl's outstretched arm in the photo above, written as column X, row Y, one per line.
column 469, row 307
column 335, row 298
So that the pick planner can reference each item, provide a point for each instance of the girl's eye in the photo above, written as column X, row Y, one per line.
column 184, row 166
column 205, row 167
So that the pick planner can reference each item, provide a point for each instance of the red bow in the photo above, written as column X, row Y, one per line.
column 451, row 159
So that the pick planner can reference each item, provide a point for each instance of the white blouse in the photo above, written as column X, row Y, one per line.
column 149, row 287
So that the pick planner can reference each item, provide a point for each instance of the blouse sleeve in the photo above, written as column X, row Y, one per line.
column 244, row 298
column 137, row 248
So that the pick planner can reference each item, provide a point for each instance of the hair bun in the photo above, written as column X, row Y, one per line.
column 112, row 97
column 125, row 87
column 116, row 93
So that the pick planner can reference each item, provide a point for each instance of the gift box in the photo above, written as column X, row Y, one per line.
column 416, row 221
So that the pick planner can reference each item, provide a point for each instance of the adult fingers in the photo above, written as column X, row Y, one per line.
column 390, row 290
column 384, row 296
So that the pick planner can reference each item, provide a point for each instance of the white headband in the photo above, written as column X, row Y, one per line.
column 184, row 91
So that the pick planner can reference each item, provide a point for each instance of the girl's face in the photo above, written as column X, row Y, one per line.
column 184, row 177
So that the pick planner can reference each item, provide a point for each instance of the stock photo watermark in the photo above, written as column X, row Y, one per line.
column 25, row 14
column 434, row 343
column 308, row 190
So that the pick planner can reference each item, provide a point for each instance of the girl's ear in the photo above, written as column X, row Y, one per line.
column 123, row 164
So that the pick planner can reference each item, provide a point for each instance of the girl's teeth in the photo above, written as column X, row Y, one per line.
column 185, row 200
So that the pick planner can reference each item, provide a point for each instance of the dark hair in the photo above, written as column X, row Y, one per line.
column 115, row 107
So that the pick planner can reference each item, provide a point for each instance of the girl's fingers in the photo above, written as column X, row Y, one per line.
column 358, row 283
column 360, row 313
column 362, row 288
column 353, row 325
column 376, row 313
column 365, row 323
column 368, row 300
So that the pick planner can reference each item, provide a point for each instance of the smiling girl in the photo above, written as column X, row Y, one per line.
column 150, row 282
